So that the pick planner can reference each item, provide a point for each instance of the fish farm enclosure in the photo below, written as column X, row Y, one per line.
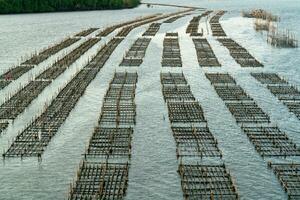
column 169, row 100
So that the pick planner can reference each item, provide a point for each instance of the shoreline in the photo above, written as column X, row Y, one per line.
column 68, row 11
column 11, row 9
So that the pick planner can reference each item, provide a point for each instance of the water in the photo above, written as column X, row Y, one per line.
column 153, row 166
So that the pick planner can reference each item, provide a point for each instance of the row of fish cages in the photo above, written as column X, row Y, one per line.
column 247, row 112
column 198, row 181
column 177, row 92
column 216, row 28
column 104, row 54
column 112, row 137
column 13, row 74
column 86, row 32
column 220, row 79
column 288, row 176
column 16, row 72
column 103, row 172
column 45, row 54
column 192, row 136
column 105, row 32
column 182, row 106
column 171, row 56
column 34, row 139
column 125, row 31
column 118, row 108
column 180, row 110
column 134, row 56
column 62, row 64
column 193, row 27
column 154, row 27
column 152, row 30
column 175, row 18
column 268, row 140
column 239, row 53
column 241, row 105
column 279, row 87
column 205, row 54
column 18, row 102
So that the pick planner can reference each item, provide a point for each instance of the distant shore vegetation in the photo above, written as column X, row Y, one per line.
column 36, row 6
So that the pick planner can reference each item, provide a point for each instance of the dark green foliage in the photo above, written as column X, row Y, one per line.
column 29, row 6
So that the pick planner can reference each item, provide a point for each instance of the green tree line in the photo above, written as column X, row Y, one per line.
column 32, row 6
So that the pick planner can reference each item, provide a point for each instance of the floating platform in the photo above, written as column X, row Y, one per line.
column 173, row 19
column 122, row 92
column 206, row 182
column 205, row 54
column 103, row 174
column 185, row 112
column 239, row 53
column 247, row 112
column 110, row 142
column 105, row 32
column 152, row 30
column 288, row 176
column 125, row 78
column 195, row 142
column 136, row 53
column 232, row 93
column 172, row 78
column 177, row 93
column 118, row 112
column 240, row 104
column 118, row 108
column 294, row 107
column 270, row 141
column 285, row 92
column 86, row 32
column 172, row 34
column 182, row 107
column 220, row 78
column 216, row 28
column 100, row 181
column 269, row 78
column 289, row 95
column 125, row 31
column 193, row 27
column 171, row 56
